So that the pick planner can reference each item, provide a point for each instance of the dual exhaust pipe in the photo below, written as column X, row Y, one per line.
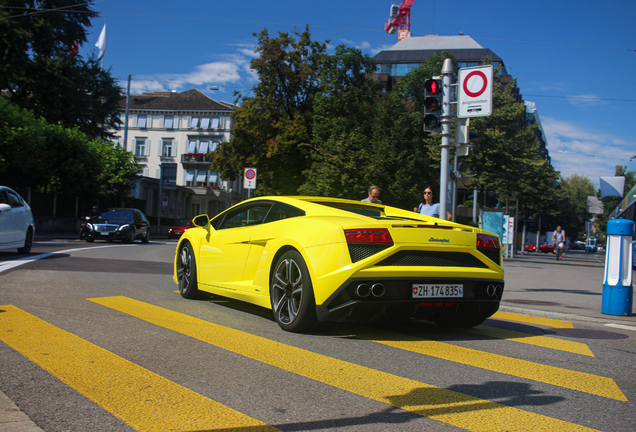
column 365, row 290
column 491, row 290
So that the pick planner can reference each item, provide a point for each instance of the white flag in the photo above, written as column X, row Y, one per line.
column 101, row 43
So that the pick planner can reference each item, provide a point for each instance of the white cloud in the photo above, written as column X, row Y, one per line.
column 576, row 149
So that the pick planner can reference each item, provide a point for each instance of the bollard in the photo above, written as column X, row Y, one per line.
column 617, row 288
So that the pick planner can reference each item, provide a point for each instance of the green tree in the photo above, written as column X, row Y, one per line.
column 505, row 156
column 39, row 72
column 272, row 129
column 50, row 158
column 573, row 194
column 362, row 137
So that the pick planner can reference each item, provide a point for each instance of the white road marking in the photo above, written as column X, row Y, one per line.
column 7, row 265
column 621, row 326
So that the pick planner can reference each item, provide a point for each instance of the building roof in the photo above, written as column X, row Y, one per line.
column 190, row 100
column 418, row 49
column 435, row 42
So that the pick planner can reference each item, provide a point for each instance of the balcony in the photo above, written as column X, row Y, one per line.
column 195, row 161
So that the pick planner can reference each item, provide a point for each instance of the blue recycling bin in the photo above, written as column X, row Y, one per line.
column 617, row 286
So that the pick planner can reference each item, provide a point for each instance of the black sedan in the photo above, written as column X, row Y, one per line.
column 124, row 224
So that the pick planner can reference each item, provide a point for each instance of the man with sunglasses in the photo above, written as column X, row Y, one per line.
column 374, row 195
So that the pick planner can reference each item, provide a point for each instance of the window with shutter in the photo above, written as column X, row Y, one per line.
column 215, row 123
column 194, row 122
column 205, row 122
column 141, row 121
column 168, row 122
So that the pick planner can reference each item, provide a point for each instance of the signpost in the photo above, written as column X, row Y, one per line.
column 475, row 92
column 249, row 180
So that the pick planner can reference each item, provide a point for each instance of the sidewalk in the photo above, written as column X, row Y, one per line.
column 571, row 288
column 14, row 420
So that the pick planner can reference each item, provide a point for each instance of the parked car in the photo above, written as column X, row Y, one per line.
column 318, row 259
column 126, row 224
column 545, row 248
column 179, row 227
column 16, row 222
column 578, row 245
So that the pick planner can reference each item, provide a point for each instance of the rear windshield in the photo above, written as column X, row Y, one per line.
column 360, row 209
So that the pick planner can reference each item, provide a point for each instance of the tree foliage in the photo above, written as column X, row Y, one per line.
column 506, row 157
column 273, row 128
column 50, row 158
column 39, row 72
column 362, row 137
column 572, row 203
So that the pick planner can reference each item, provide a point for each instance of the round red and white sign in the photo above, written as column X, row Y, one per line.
column 476, row 80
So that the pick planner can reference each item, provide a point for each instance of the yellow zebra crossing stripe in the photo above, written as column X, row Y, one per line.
column 142, row 399
column 446, row 406
column 573, row 380
column 548, row 322
column 535, row 340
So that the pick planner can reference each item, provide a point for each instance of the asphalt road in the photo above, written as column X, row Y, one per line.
column 94, row 338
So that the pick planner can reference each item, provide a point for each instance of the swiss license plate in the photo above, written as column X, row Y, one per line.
column 105, row 233
column 438, row 290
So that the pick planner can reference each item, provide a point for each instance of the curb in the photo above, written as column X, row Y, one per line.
column 12, row 419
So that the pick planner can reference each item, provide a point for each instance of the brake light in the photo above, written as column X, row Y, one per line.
column 487, row 241
column 380, row 235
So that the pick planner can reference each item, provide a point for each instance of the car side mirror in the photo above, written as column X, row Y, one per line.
column 5, row 207
column 201, row 220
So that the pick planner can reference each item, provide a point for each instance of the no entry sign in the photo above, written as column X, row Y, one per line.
column 475, row 92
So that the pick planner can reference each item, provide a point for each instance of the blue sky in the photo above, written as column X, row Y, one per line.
column 554, row 48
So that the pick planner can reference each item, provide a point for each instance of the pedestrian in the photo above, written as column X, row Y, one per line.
column 374, row 195
column 558, row 239
column 427, row 207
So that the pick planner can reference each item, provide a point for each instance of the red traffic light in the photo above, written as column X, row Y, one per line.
column 433, row 86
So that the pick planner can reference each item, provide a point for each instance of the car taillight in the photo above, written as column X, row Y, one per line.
column 487, row 241
column 380, row 235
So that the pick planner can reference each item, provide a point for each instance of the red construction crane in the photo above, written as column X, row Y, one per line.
column 400, row 19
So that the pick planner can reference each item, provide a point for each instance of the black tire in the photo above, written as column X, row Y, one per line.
column 28, row 242
column 90, row 240
column 146, row 238
column 461, row 323
column 187, row 272
column 292, row 294
column 131, row 236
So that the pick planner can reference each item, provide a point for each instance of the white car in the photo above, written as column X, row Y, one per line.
column 16, row 221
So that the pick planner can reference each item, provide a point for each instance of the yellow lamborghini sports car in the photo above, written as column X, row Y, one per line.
column 317, row 259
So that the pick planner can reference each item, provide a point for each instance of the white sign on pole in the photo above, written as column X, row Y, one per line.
column 249, row 178
column 475, row 92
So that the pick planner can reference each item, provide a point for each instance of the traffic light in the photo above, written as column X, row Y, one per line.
column 432, row 105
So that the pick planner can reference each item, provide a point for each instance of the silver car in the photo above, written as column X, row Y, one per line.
column 16, row 221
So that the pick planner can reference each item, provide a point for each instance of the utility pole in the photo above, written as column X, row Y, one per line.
column 126, row 121
column 447, row 73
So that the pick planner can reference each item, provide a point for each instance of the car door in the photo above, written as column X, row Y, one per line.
column 7, row 222
column 19, row 216
column 273, row 226
column 141, row 224
column 223, row 254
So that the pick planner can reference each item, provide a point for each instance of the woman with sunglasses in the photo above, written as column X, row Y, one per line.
column 427, row 207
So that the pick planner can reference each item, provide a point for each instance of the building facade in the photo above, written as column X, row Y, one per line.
column 181, row 129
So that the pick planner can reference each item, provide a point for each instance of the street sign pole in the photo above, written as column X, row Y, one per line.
column 447, row 72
